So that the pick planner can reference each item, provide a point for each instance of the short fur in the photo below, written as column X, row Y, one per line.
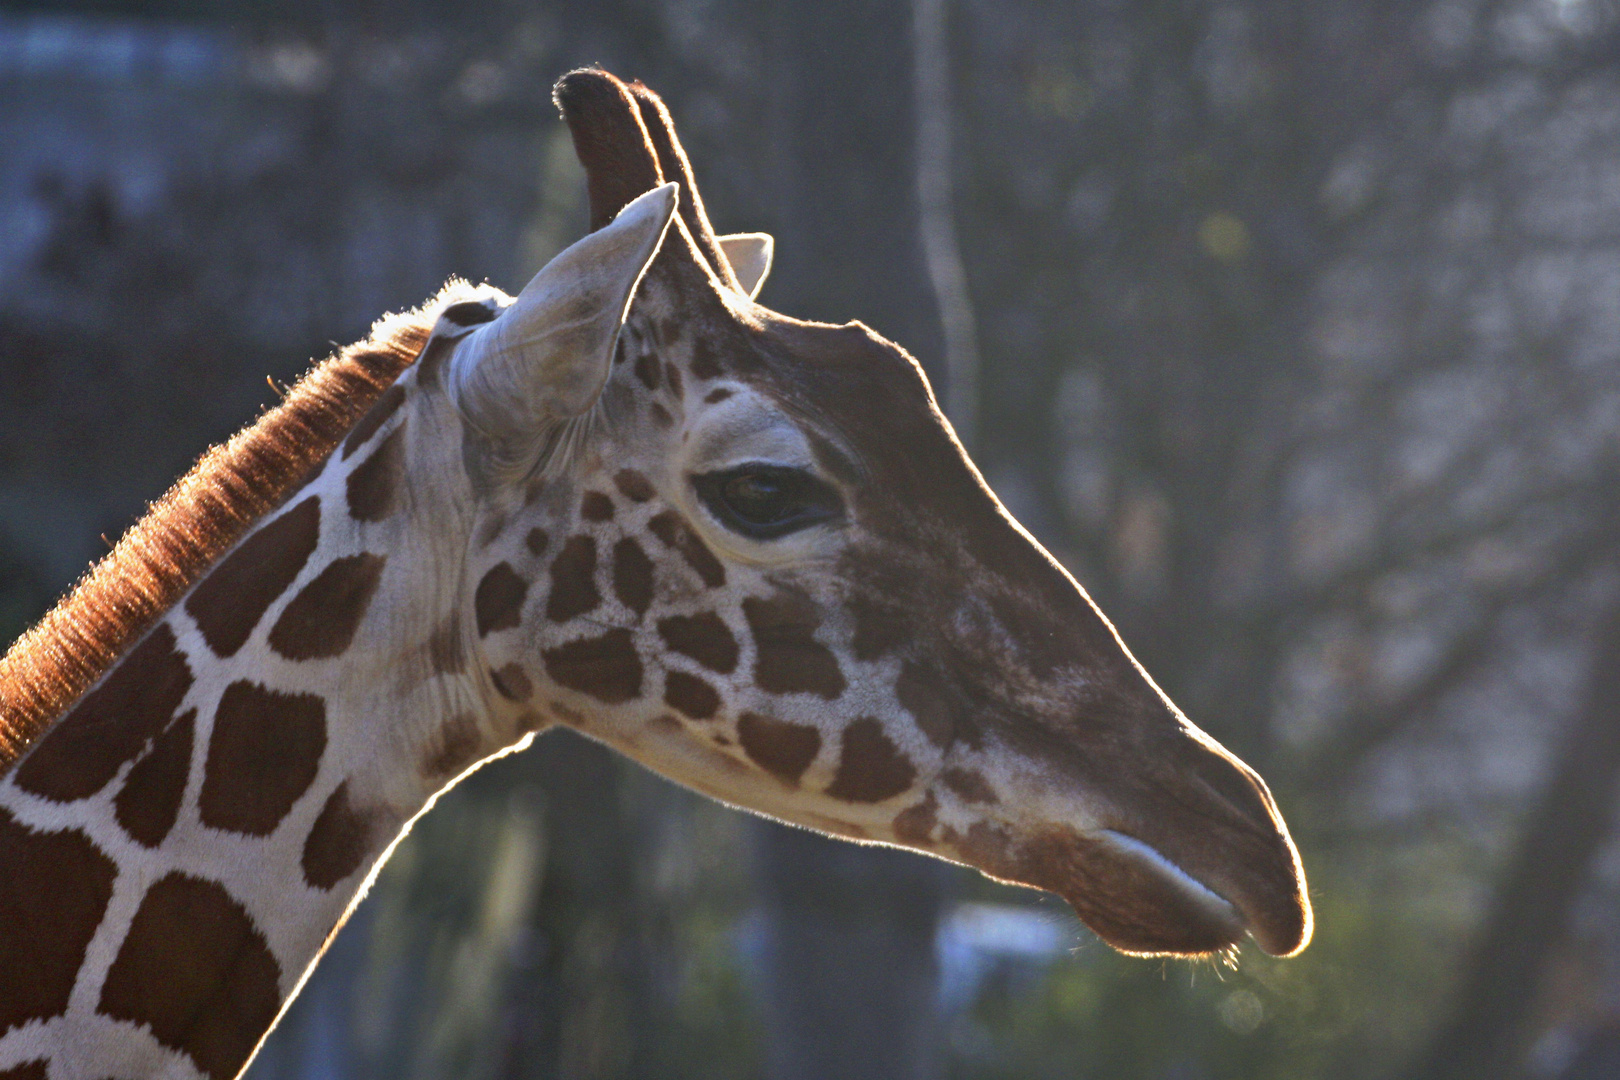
column 198, row 520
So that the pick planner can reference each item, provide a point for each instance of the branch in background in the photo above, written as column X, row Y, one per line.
column 938, row 226
column 1374, row 726
column 1530, row 913
column 1396, row 549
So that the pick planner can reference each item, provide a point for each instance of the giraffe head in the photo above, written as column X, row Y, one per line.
column 748, row 551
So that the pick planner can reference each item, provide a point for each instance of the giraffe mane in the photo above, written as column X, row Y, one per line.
column 201, row 517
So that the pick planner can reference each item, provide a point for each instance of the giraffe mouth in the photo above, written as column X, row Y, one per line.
column 1169, row 910
column 1135, row 898
column 1144, row 903
column 1204, row 860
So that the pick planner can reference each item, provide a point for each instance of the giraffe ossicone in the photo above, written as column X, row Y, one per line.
column 743, row 549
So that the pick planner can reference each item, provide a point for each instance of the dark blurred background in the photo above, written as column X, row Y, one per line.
column 1291, row 326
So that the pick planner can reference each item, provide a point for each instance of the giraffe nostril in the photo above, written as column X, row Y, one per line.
column 1235, row 785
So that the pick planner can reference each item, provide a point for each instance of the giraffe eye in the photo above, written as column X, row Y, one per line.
column 767, row 501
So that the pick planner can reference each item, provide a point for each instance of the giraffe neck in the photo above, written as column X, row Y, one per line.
column 177, row 848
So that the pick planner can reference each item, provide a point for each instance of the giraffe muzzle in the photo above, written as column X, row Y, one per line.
column 1145, row 903
column 1185, row 860
column 1176, row 911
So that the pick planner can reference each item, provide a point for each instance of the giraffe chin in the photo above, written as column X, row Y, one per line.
column 1195, row 920
column 1132, row 896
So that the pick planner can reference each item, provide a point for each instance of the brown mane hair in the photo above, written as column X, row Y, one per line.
column 232, row 486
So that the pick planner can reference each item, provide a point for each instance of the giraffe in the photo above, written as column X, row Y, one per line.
column 745, row 550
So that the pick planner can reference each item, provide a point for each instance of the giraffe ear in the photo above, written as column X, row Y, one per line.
column 546, row 357
column 750, row 257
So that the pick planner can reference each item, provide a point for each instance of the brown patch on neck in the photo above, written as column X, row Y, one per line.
column 573, row 581
column 915, row 824
column 595, row 506
column 634, row 486
column 262, row 756
column 373, row 486
column 923, row 692
column 149, row 802
column 969, row 785
column 704, row 637
column 112, row 724
column 197, row 972
column 607, row 667
column 53, row 896
column 691, row 695
column 322, row 619
column 229, row 602
column 338, row 842
column 498, row 600
column 201, row 517
column 632, row 576
column 648, row 370
column 512, row 683
column 378, row 415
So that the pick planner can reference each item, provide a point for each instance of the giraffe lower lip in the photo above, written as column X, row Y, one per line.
column 1131, row 895
column 1196, row 889
column 1168, row 910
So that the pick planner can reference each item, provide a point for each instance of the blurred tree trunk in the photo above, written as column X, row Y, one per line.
column 1486, row 1032
column 840, row 139
column 582, row 1006
column 849, row 971
column 848, row 959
